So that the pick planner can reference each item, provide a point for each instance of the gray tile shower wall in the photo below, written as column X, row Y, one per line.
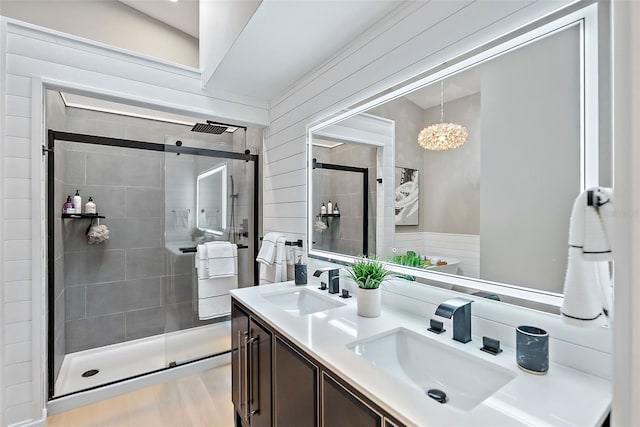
column 127, row 287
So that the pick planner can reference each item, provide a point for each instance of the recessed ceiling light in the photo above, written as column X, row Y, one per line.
column 174, row 1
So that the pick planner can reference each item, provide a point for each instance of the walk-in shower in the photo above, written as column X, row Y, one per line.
column 128, row 306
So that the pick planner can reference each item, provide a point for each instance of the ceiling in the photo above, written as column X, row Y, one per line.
column 182, row 15
column 286, row 39
column 457, row 86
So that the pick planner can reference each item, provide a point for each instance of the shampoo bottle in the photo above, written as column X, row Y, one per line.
column 329, row 207
column 90, row 207
column 68, row 206
column 77, row 203
column 323, row 209
column 336, row 211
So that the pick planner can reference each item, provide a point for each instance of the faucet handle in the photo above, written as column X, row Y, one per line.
column 436, row 326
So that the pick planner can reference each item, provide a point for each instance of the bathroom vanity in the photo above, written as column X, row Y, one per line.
column 303, row 357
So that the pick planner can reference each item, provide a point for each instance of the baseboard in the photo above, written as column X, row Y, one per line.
column 40, row 422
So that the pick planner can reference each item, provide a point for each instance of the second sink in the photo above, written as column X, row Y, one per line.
column 429, row 365
column 301, row 302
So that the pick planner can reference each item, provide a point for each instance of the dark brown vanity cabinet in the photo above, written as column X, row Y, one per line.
column 295, row 388
column 340, row 407
column 251, row 352
column 275, row 383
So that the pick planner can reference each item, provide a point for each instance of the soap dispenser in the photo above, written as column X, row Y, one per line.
column 323, row 209
column 77, row 202
column 300, row 272
column 329, row 207
column 90, row 207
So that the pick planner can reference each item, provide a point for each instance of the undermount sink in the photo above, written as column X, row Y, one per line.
column 427, row 365
column 301, row 302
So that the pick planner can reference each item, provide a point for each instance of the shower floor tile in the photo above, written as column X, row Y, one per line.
column 123, row 360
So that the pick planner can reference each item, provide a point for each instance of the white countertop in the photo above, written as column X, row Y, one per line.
column 563, row 397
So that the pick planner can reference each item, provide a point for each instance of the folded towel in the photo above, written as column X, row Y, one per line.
column 213, row 291
column 182, row 217
column 202, row 261
column 587, row 286
column 222, row 259
column 277, row 271
column 208, row 288
column 268, row 249
column 213, row 307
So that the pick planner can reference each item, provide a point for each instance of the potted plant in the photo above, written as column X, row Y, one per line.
column 368, row 275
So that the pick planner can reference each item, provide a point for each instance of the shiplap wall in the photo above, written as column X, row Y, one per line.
column 463, row 247
column 413, row 38
column 34, row 56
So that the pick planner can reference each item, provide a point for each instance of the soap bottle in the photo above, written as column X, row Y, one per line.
column 77, row 203
column 336, row 211
column 68, row 206
column 329, row 207
column 323, row 209
column 300, row 272
column 90, row 207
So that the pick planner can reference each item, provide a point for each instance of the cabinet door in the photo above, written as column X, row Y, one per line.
column 296, row 388
column 239, row 328
column 341, row 408
column 260, row 375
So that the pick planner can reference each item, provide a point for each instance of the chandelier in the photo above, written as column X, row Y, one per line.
column 442, row 136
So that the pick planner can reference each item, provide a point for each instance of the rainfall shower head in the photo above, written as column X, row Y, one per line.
column 209, row 127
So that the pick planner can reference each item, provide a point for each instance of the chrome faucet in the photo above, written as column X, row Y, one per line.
column 333, row 278
column 460, row 309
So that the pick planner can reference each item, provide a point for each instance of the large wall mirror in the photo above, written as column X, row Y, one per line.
column 492, row 214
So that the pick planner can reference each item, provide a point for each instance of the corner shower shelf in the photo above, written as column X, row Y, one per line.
column 82, row 216
column 332, row 215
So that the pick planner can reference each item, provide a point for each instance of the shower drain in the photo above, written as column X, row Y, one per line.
column 90, row 373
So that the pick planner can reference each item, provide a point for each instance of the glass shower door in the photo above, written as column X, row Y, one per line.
column 207, row 198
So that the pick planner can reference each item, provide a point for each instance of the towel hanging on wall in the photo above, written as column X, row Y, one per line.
column 587, row 286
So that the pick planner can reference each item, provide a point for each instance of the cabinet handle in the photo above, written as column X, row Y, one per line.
column 251, row 385
column 245, row 403
column 240, row 369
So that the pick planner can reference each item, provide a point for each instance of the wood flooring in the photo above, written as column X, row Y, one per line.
column 198, row 400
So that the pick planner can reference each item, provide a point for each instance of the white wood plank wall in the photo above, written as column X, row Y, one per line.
column 413, row 38
column 32, row 55
column 464, row 247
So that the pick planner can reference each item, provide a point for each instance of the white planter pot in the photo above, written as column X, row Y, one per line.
column 369, row 301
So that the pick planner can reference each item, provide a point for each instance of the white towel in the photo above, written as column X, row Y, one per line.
column 268, row 249
column 213, row 293
column 222, row 258
column 182, row 217
column 202, row 261
column 587, row 286
column 277, row 271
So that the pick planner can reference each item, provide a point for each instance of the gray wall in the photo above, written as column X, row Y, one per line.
column 344, row 234
column 450, row 184
column 409, row 120
column 117, row 291
column 530, row 161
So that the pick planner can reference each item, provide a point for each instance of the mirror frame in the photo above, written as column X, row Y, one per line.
column 587, row 18
column 218, row 169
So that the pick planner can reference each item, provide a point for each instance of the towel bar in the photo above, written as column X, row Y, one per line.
column 288, row 243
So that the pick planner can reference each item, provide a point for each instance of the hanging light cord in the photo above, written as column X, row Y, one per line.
column 441, row 101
